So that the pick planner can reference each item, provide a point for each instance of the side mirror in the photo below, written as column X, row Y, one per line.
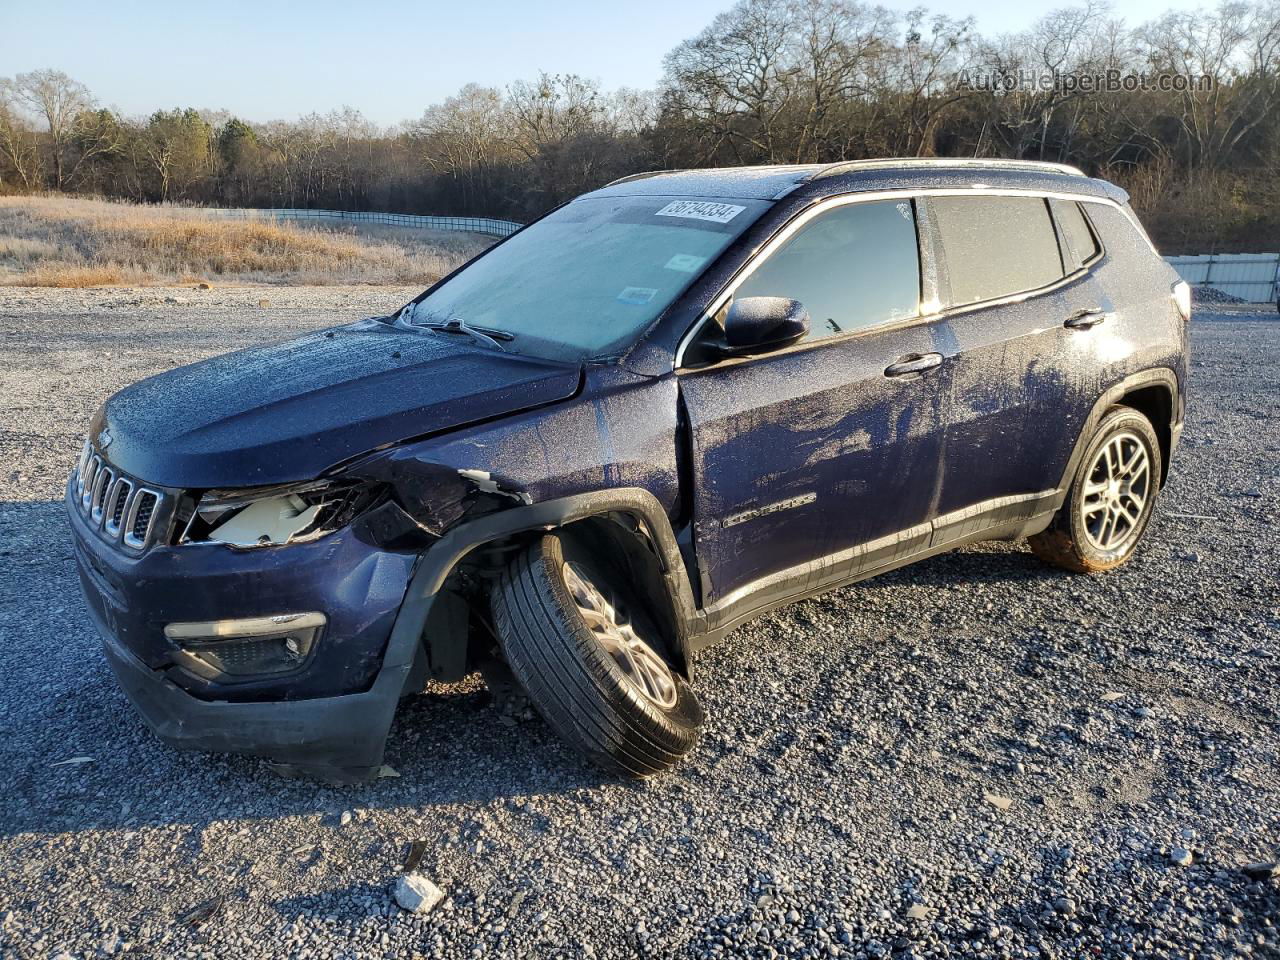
column 764, row 323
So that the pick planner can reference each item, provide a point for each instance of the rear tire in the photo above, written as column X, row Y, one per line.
column 1110, row 500
column 591, row 659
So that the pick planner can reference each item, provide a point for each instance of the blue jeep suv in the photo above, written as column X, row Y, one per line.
column 666, row 407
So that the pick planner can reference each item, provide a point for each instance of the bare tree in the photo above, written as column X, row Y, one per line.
column 18, row 146
column 57, row 98
column 1037, row 63
column 1237, row 49
column 931, row 60
column 733, row 80
column 467, row 138
column 563, row 132
column 835, row 51
column 632, row 112
column 551, row 110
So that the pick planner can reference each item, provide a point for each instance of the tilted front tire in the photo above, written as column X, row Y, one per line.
column 590, row 658
column 1110, row 500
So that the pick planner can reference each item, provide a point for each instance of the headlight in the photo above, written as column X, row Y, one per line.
column 276, row 515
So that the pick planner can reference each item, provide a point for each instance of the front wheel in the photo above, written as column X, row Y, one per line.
column 591, row 659
column 1110, row 500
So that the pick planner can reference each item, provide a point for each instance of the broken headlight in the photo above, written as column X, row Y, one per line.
column 271, row 516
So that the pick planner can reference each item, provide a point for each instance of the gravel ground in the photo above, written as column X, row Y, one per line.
column 975, row 756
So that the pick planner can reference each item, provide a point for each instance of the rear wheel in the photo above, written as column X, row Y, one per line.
column 1110, row 500
column 591, row 659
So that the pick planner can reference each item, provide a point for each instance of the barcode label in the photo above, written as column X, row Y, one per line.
column 701, row 210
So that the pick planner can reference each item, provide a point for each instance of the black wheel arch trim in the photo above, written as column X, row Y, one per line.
column 1112, row 396
column 443, row 557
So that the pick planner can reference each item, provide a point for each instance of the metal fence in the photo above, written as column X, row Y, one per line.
column 1254, row 277
column 495, row 228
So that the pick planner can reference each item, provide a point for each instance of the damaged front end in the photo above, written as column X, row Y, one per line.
column 274, row 516
column 267, row 620
column 386, row 507
column 247, row 534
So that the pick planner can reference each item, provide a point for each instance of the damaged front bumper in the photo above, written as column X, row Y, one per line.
column 330, row 716
column 338, row 738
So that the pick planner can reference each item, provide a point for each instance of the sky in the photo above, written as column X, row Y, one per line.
column 387, row 58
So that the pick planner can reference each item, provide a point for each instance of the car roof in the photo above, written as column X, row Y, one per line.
column 817, row 181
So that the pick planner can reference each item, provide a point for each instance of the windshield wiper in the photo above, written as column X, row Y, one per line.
column 486, row 335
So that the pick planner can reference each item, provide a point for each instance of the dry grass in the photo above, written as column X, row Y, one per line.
column 56, row 276
column 66, row 242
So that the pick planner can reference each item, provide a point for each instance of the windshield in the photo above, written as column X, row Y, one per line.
column 588, row 279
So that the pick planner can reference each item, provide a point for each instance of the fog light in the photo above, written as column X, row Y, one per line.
column 247, row 648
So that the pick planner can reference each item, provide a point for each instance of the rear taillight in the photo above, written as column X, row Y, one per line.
column 1182, row 298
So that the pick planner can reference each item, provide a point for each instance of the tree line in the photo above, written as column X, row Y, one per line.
column 1183, row 111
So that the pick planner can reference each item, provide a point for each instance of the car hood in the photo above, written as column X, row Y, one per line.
column 288, row 411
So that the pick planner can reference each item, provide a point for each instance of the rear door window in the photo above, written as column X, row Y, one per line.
column 995, row 246
column 855, row 266
column 1080, row 241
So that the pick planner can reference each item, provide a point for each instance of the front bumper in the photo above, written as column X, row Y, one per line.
column 330, row 718
column 335, row 738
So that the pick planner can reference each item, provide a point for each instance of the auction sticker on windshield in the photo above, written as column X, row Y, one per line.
column 700, row 210
column 637, row 296
column 684, row 263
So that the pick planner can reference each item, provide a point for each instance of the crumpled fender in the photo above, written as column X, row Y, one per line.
column 433, row 497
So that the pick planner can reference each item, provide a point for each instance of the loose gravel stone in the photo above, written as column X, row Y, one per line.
column 838, row 782
column 417, row 894
column 1064, row 906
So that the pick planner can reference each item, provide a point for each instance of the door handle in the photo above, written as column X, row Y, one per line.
column 913, row 363
column 1087, row 319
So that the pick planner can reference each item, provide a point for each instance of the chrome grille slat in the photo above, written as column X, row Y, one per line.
column 102, row 485
column 122, row 509
column 142, row 517
column 85, row 453
column 86, row 484
column 121, row 494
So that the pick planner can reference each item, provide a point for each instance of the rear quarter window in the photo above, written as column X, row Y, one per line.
column 995, row 246
column 1081, row 245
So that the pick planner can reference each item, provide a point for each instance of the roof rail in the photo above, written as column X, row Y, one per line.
column 639, row 176
column 945, row 163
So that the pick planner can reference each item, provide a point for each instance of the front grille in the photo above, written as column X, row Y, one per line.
column 122, row 509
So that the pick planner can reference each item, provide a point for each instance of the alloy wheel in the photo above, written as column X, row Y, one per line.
column 609, row 621
column 1116, row 491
